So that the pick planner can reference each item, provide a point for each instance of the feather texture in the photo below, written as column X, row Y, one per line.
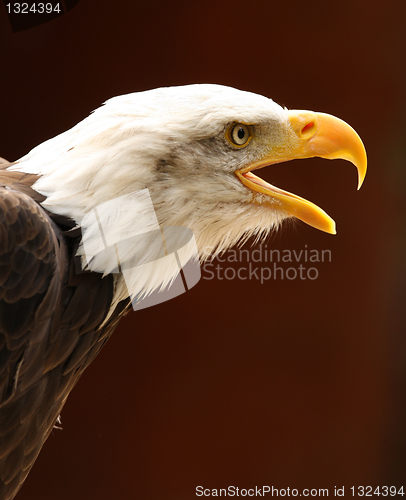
column 50, row 331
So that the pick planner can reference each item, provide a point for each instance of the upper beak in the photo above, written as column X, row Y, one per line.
column 308, row 134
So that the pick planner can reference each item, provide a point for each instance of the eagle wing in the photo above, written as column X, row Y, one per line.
column 50, row 317
column 31, row 265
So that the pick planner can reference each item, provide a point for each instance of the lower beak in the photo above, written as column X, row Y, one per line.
column 308, row 134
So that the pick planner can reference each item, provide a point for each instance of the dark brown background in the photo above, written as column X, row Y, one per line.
column 298, row 384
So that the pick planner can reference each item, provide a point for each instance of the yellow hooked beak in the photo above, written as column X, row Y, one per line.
column 308, row 134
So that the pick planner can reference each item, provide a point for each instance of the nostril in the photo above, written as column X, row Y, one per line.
column 309, row 129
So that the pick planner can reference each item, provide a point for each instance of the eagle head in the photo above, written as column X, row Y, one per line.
column 195, row 149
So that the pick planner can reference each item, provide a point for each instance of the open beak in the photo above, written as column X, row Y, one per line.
column 308, row 134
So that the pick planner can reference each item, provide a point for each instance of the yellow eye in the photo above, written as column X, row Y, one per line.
column 239, row 134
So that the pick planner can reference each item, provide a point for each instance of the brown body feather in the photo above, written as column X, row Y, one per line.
column 50, row 317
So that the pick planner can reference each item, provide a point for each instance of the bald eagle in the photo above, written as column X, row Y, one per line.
column 194, row 148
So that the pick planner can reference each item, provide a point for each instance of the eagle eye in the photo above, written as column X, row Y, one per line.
column 239, row 134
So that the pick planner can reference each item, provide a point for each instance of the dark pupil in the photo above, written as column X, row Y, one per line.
column 241, row 133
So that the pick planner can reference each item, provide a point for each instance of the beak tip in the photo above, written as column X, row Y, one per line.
column 361, row 167
column 326, row 224
column 361, row 179
column 331, row 226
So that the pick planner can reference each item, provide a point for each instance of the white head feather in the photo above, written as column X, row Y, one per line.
column 171, row 141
